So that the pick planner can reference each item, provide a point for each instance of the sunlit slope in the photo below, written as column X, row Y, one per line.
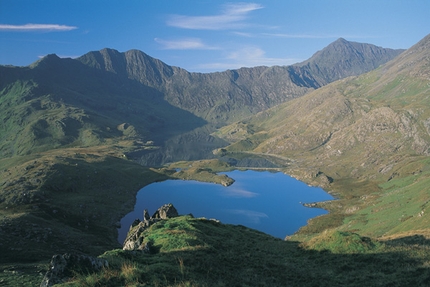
column 373, row 118
column 359, row 132
column 190, row 251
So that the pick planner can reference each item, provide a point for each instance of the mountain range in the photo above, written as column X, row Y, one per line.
column 78, row 137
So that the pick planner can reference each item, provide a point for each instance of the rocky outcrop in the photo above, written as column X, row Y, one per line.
column 62, row 267
column 164, row 212
column 135, row 241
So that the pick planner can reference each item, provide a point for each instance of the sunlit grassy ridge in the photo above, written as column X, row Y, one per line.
column 199, row 252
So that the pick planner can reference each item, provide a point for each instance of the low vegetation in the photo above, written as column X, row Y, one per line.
column 72, row 136
column 199, row 252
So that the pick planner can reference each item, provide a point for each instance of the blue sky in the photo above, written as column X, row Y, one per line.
column 205, row 36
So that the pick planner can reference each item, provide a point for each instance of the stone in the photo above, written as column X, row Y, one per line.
column 166, row 211
column 146, row 215
column 62, row 267
column 134, row 240
column 135, row 222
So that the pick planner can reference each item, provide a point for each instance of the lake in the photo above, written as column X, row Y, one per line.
column 262, row 200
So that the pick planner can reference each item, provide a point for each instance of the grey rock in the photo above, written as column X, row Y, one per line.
column 166, row 211
column 135, row 240
column 62, row 267
column 146, row 215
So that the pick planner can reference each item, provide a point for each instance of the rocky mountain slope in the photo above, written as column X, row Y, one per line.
column 341, row 59
column 106, row 96
column 234, row 94
column 364, row 137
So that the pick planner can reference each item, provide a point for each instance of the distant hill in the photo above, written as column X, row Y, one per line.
column 87, row 101
column 341, row 59
column 58, row 103
column 231, row 95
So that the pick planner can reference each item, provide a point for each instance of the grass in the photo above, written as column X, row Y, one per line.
column 64, row 201
column 202, row 170
column 67, row 181
column 208, row 253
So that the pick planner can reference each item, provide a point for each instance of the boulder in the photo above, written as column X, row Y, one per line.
column 146, row 215
column 62, row 267
column 166, row 211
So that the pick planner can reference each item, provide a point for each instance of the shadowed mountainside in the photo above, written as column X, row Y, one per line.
column 231, row 95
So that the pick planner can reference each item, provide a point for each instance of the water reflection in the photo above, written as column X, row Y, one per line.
column 266, row 201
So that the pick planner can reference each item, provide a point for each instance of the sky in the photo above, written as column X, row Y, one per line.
column 206, row 35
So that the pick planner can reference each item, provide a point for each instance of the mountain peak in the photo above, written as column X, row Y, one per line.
column 48, row 60
column 341, row 40
column 343, row 58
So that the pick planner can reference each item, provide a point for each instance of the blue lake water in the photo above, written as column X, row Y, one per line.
column 266, row 201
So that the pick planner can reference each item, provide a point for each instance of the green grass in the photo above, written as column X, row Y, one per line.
column 342, row 243
column 200, row 252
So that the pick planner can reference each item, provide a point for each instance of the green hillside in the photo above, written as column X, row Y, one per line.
column 79, row 137
column 365, row 139
column 199, row 252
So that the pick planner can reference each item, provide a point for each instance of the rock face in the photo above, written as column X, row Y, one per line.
column 165, row 212
column 135, row 240
column 62, row 266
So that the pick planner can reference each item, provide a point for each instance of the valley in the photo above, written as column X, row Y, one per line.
column 79, row 138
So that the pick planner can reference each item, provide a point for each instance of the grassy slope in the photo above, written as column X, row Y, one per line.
column 199, row 252
column 367, row 135
column 65, row 180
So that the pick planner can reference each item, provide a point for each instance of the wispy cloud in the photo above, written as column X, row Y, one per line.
column 184, row 44
column 297, row 36
column 247, row 57
column 243, row 34
column 232, row 17
column 311, row 36
column 253, row 216
column 37, row 27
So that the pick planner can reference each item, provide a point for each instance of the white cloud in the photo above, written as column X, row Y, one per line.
column 242, row 34
column 313, row 36
column 232, row 17
column 36, row 27
column 184, row 44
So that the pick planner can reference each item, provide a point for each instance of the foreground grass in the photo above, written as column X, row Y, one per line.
column 67, row 200
column 200, row 252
